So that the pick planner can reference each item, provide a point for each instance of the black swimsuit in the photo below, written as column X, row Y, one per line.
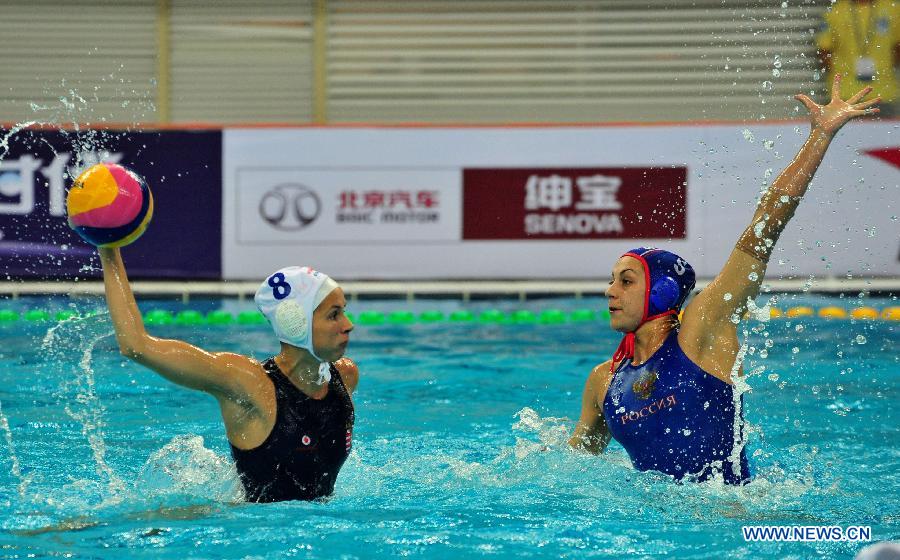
column 308, row 444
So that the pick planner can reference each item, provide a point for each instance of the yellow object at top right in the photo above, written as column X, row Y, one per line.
column 862, row 38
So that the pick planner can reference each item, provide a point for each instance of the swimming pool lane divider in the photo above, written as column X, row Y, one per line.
column 490, row 316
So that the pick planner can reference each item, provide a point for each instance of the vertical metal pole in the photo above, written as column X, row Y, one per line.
column 320, row 59
column 163, row 15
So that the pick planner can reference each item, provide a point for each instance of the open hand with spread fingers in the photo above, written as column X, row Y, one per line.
column 830, row 118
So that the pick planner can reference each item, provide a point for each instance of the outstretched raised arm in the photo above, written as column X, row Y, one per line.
column 221, row 374
column 727, row 295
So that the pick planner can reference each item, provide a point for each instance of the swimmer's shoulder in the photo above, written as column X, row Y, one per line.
column 240, row 363
column 598, row 381
column 246, row 378
column 349, row 373
column 250, row 407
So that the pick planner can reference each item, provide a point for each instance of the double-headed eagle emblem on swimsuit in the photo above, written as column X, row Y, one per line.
column 645, row 384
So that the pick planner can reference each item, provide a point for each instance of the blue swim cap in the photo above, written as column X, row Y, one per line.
column 670, row 280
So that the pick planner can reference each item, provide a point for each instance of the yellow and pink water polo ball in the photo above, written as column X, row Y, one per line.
column 109, row 205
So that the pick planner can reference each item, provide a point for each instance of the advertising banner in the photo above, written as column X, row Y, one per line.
column 302, row 206
column 548, row 202
column 182, row 168
column 581, row 203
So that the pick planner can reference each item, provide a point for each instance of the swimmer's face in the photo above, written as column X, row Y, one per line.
column 331, row 327
column 626, row 292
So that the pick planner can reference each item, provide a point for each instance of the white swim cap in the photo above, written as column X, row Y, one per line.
column 288, row 298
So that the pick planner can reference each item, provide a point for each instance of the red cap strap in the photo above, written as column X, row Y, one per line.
column 658, row 315
column 646, row 284
column 625, row 350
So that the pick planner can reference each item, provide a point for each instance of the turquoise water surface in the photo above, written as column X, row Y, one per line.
column 459, row 446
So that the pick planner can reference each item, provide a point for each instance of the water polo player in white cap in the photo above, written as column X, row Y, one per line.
column 289, row 420
column 667, row 394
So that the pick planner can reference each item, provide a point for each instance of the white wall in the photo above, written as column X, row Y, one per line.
column 847, row 223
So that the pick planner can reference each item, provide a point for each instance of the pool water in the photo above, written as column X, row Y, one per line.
column 459, row 446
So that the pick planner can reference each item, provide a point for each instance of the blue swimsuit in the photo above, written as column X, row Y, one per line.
column 673, row 417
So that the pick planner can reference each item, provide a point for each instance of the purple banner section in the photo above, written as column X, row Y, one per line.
column 183, row 169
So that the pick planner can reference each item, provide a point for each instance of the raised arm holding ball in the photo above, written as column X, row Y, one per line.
column 667, row 394
column 289, row 420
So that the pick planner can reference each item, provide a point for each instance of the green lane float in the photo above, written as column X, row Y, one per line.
column 583, row 315
column 219, row 317
column 491, row 316
column 36, row 315
column 8, row 316
column 371, row 318
column 523, row 316
column 158, row 317
column 189, row 317
column 401, row 318
column 251, row 318
column 462, row 316
column 551, row 317
column 431, row 316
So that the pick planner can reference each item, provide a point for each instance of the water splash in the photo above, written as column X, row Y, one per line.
column 14, row 458
column 86, row 407
column 185, row 467
column 4, row 141
column 553, row 433
column 90, row 415
column 740, row 426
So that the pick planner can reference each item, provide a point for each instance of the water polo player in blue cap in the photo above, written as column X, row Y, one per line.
column 667, row 394
column 289, row 420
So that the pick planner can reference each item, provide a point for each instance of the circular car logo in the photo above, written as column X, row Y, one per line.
column 290, row 207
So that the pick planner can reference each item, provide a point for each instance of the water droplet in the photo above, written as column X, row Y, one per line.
column 763, row 353
column 795, row 350
column 860, row 339
column 768, row 86
column 776, row 72
column 773, row 377
column 748, row 136
column 799, row 328
column 727, row 297
column 753, row 277
column 769, row 144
